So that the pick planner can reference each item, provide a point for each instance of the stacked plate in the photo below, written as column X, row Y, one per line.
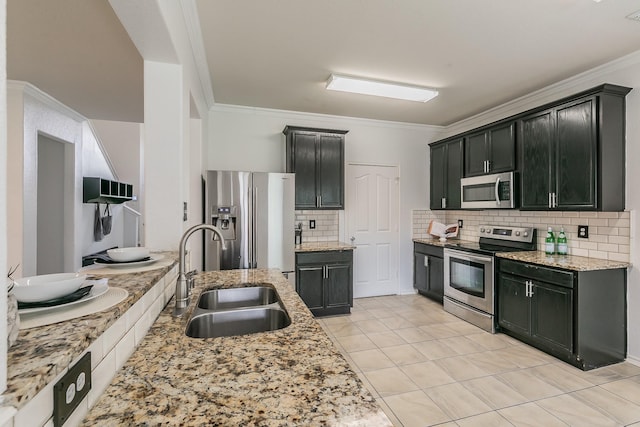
column 44, row 292
column 127, row 257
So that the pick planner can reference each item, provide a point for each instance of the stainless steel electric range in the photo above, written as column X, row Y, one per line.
column 469, row 272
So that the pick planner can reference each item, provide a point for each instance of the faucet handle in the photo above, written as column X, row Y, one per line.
column 190, row 278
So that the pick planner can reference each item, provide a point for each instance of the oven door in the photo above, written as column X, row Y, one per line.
column 468, row 278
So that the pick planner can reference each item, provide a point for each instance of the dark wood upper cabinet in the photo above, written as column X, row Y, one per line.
column 446, row 171
column 490, row 150
column 573, row 154
column 316, row 156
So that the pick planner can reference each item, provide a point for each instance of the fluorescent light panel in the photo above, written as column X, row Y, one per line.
column 377, row 88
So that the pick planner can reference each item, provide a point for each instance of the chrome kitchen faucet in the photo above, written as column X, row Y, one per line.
column 185, row 280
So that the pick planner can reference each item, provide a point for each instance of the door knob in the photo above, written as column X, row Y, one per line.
column 353, row 239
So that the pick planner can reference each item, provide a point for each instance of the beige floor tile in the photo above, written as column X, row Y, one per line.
column 530, row 415
column 602, row 375
column 489, row 419
column 381, row 313
column 335, row 320
column 528, row 384
column 560, row 377
column 418, row 319
column 613, row 406
column 627, row 389
column 427, row 374
column 416, row 409
column 353, row 343
column 489, row 341
column 626, row 369
column 463, row 345
column 371, row 326
column 368, row 384
column 386, row 339
column 370, row 303
column 371, row 360
column 404, row 354
column 460, row 368
column 396, row 322
column 440, row 331
column 492, row 362
column 462, row 327
column 494, row 393
column 343, row 330
column 360, row 315
column 412, row 335
column 388, row 412
column 574, row 412
column 434, row 349
column 523, row 357
column 456, row 401
column 390, row 381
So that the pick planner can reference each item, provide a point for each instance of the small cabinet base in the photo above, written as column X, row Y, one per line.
column 324, row 281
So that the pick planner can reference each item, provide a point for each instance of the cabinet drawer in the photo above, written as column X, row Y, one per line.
column 327, row 257
column 431, row 250
column 536, row 272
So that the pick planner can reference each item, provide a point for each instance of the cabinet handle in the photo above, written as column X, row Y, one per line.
column 549, row 200
column 426, row 261
column 526, row 287
column 443, row 203
column 555, row 200
column 320, row 204
column 530, row 289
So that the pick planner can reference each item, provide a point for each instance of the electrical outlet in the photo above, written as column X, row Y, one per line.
column 71, row 389
column 312, row 224
column 459, row 223
column 583, row 231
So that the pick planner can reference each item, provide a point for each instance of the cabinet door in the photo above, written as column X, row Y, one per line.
column 575, row 167
column 514, row 309
column 338, row 285
column 552, row 315
column 455, row 153
column 536, row 160
column 330, row 171
column 502, row 149
column 435, row 282
column 438, row 170
column 476, row 154
column 310, row 285
column 304, row 166
column 420, row 271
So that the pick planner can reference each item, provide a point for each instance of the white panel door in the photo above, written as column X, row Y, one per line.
column 372, row 223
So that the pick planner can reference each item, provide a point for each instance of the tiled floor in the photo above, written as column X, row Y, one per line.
column 427, row 367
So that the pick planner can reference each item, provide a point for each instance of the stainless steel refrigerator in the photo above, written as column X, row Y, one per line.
column 255, row 212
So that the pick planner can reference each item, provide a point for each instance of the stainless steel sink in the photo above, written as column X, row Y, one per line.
column 236, row 322
column 225, row 299
column 237, row 311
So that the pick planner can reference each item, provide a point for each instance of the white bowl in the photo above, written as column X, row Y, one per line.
column 128, row 254
column 47, row 286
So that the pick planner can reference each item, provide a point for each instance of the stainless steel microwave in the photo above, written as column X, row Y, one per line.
column 495, row 191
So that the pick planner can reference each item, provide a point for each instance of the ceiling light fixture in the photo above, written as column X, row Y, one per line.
column 378, row 88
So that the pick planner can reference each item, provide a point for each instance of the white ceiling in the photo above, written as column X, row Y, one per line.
column 478, row 54
column 279, row 53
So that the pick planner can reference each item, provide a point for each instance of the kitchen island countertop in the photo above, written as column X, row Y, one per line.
column 291, row 376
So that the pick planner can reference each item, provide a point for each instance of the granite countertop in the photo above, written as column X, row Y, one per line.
column 433, row 241
column 40, row 354
column 291, row 376
column 324, row 246
column 568, row 262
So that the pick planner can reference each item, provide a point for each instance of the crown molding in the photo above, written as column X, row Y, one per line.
column 37, row 94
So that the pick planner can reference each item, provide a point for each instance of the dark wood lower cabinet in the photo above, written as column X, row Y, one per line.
column 577, row 316
column 324, row 281
column 428, row 270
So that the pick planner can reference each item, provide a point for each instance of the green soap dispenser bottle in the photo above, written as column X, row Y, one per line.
column 550, row 243
column 563, row 249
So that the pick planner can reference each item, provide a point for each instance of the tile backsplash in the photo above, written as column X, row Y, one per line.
column 326, row 225
column 609, row 232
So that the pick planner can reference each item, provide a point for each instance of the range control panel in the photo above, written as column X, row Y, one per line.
column 514, row 234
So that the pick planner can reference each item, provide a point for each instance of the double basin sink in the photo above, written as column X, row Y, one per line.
column 237, row 311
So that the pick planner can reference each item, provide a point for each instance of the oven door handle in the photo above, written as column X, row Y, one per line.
column 467, row 256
